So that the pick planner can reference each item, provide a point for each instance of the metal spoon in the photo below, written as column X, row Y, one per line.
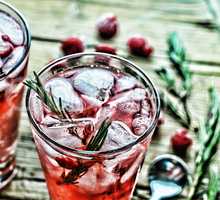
column 167, row 176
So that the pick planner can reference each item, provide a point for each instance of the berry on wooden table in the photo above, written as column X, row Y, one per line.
column 105, row 48
column 107, row 26
column 138, row 45
column 181, row 141
column 72, row 45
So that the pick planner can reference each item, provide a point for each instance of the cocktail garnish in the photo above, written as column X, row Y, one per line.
column 95, row 142
column 47, row 98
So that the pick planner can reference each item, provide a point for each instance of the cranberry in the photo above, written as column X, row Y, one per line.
column 105, row 48
column 107, row 26
column 161, row 120
column 66, row 162
column 72, row 45
column 147, row 51
column 139, row 46
column 6, row 38
column 181, row 141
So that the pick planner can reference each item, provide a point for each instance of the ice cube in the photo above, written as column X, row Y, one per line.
column 104, row 112
column 13, row 59
column 5, row 49
column 61, row 88
column 69, row 133
column 137, row 94
column 140, row 124
column 37, row 108
column 118, row 136
column 130, row 107
column 59, row 134
column 97, row 180
column 125, row 83
column 10, row 27
column 146, row 107
column 94, row 83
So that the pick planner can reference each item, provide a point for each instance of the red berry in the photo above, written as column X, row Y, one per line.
column 6, row 38
column 66, row 162
column 107, row 26
column 161, row 120
column 137, row 45
column 147, row 51
column 72, row 45
column 181, row 141
column 105, row 48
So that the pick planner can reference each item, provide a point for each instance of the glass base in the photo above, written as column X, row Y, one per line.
column 7, row 171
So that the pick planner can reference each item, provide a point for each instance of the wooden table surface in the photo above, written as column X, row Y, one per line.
column 152, row 18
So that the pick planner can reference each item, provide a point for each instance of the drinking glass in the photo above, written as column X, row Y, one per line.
column 14, row 50
column 71, row 173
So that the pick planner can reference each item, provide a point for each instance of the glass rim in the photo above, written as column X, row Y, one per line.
column 25, row 30
column 72, row 151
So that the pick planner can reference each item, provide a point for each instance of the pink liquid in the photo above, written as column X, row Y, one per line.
column 11, row 88
column 91, row 95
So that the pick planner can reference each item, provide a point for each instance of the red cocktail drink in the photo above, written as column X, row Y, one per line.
column 14, row 48
column 89, row 91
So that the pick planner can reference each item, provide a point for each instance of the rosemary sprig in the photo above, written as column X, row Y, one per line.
column 169, row 106
column 177, row 56
column 94, row 144
column 214, row 184
column 213, row 8
column 46, row 97
column 97, row 141
column 209, row 139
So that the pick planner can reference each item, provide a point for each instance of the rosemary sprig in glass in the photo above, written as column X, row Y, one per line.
column 177, row 56
column 209, row 138
column 94, row 144
column 46, row 97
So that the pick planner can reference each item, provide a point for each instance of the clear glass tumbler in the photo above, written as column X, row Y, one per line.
column 75, row 172
column 14, row 50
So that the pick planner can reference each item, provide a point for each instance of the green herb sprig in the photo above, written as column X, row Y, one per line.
column 213, row 8
column 209, row 138
column 214, row 184
column 94, row 144
column 46, row 97
column 177, row 56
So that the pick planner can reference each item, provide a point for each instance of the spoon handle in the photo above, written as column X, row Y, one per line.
column 155, row 196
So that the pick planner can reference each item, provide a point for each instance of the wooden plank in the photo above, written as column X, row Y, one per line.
column 60, row 23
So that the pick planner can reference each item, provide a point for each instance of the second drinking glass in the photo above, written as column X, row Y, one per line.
column 14, row 51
